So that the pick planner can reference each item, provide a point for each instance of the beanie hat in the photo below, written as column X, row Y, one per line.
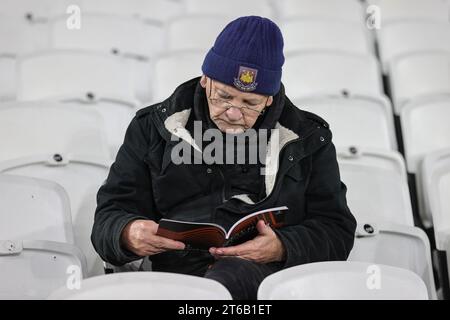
column 247, row 54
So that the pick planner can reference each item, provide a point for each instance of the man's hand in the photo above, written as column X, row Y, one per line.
column 139, row 237
column 264, row 248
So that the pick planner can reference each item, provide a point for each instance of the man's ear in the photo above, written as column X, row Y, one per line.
column 270, row 101
column 203, row 81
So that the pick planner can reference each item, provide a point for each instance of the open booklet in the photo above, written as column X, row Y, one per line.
column 199, row 235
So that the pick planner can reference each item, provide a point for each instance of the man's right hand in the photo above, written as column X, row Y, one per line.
column 139, row 237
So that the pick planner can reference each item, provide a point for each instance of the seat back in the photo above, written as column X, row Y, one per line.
column 34, row 209
column 343, row 280
column 173, row 69
column 109, row 34
column 325, row 34
column 419, row 75
column 145, row 286
column 406, row 37
column 194, row 32
column 74, row 73
column 425, row 129
column 398, row 246
column 81, row 177
column 377, row 185
column 372, row 119
column 346, row 10
column 8, row 80
column 319, row 72
column 49, row 127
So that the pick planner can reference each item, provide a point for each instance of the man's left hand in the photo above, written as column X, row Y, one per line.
column 264, row 248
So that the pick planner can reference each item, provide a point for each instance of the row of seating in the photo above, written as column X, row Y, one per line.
column 314, row 281
column 164, row 10
column 42, row 211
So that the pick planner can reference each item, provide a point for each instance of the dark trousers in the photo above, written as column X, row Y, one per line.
column 241, row 277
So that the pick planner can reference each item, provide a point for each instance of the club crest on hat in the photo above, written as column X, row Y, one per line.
column 246, row 80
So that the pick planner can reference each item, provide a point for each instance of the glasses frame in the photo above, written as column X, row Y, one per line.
column 229, row 105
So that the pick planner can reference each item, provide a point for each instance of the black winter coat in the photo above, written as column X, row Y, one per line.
column 143, row 183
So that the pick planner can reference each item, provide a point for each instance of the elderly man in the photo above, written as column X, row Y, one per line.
column 240, row 91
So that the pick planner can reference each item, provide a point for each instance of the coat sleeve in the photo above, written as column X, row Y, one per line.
column 328, row 231
column 126, row 195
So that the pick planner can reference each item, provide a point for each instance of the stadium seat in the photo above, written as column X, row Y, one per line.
column 231, row 8
column 319, row 72
column 19, row 36
column 173, row 69
column 159, row 10
column 49, row 127
column 36, row 11
column 109, row 34
column 194, row 32
column 397, row 10
column 377, row 185
column 8, row 81
column 36, row 244
column 343, row 280
column 145, row 286
column 372, row 123
column 398, row 246
column 81, row 177
column 325, row 34
column 419, row 75
column 346, row 10
column 425, row 129
column 436, row 189
column 406, row 37
column 74, row 72
column 34, row 209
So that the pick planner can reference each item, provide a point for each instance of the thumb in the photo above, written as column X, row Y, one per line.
column 263, row 229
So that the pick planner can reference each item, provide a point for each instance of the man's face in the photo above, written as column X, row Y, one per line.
column 233, row 111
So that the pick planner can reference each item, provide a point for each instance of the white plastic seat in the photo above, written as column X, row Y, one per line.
column 436, row 189
column 425, row 129
column 372, row 119
column 398, row 246
column 159, row 10
column 377, row 185
column 406, row 37
column 109, row 34
column 347, row 10
column 194, row 32
column 34, row 209
column 8, row 81
column 74, row 72
column 395, row 10
column 325, row 34
column 34, row 10
column 231, row 8
column 81, row 177
column 145, row 286
column 318, row 72
column 173, row 69
column 36, row 242
column 49, row 127
column 19, row 36
column 33, row 269
column 343, row 280
column 419, row 75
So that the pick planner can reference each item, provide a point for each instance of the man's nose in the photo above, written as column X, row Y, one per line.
column 234, row 114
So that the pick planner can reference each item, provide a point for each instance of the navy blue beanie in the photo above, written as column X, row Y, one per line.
column 247, row 54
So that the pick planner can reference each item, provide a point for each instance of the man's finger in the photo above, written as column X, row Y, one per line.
column 241, row 249
column 165, row 243
column 263, row 229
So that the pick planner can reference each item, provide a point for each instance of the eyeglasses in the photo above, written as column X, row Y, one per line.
column 244, row 109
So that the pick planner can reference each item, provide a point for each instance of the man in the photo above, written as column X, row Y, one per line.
column 240, row 91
